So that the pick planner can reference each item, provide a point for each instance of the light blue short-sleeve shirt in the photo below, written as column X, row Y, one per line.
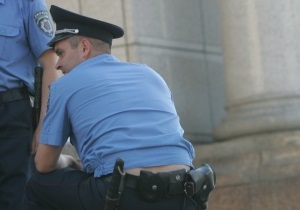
column 25, row 30
column 112, row 109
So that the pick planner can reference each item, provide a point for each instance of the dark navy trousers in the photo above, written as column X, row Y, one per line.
column 15, row 141
column 69, row 189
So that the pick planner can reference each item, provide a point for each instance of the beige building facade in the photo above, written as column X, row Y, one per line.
column 234, row 68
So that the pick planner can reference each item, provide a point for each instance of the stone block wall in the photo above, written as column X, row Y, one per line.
column 259, row 172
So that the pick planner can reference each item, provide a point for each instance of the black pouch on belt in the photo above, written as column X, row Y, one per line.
column 152, row 187
column 155, row 186
column 176, row 182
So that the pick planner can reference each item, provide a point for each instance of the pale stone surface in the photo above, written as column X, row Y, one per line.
column 264, row 170
column 261, row 52
column 287, row 194
column 73, row 5
column 235, row 197
column 261, row 196
column 209, row 11
column 266, row 152
column 282, row 194
column 173, row 20
column 216, row 91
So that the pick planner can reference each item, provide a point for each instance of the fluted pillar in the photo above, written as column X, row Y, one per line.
column 261, row 48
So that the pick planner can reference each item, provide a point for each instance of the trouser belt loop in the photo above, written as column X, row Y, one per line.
column 13, row 95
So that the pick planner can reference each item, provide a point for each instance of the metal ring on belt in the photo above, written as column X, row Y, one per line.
column 13, row 95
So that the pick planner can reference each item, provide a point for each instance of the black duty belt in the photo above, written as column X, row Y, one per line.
column 152, row 187
column 196, row 184
column 13, row 95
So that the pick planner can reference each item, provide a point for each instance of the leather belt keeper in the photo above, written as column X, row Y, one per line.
column 13, row 95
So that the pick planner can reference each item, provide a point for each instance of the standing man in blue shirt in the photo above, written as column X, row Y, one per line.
column 25, row 30
column 109, row 109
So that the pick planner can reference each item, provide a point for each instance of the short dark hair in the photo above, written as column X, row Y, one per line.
column 97, row 44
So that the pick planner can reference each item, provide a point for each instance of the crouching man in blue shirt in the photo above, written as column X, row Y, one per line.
column 109, row 109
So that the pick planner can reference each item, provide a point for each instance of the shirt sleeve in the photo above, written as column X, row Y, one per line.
column 38, row 25
column 56, row 126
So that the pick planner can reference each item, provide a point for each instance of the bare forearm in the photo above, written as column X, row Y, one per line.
column 47, row 60
column 50, row 74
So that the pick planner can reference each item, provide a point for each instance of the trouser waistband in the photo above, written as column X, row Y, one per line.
column 13, row 95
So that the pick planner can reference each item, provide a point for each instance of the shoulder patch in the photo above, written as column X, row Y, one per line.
column 43, row 22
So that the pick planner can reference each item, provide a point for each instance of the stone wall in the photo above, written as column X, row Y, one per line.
column 258, row 172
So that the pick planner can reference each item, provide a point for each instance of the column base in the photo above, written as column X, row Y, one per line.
column 260, row 117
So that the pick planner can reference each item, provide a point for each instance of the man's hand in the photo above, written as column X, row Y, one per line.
column 69, row 161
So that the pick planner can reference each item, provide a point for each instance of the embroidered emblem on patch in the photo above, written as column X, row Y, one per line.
column 43, row 22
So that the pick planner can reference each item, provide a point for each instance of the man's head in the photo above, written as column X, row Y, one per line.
column 79, row 38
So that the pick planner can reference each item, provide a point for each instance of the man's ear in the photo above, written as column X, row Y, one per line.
column 86, row 47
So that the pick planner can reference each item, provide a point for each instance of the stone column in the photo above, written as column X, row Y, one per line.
column 261, row 49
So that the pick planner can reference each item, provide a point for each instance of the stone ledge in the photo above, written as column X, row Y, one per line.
column 253, row 159
column 258, row 172
column 270, row 195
